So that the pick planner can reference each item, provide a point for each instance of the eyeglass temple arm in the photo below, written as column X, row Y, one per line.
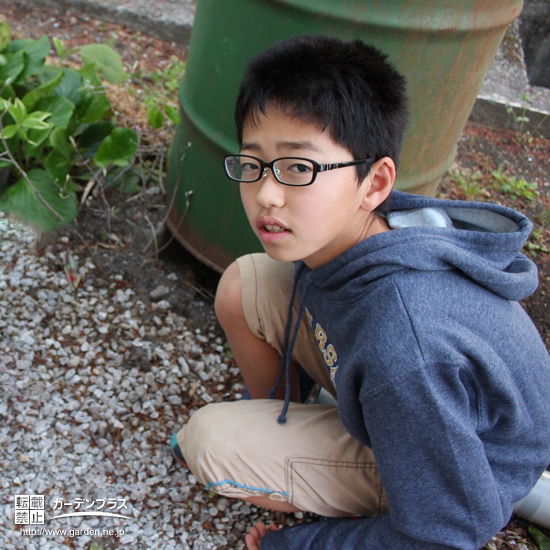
column 324, row 167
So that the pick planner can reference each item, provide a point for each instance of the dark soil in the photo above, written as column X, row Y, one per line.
column 112, row 229
column 481, row 152
column 115, row 231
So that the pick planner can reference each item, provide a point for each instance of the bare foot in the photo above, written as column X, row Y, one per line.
column 256, row 533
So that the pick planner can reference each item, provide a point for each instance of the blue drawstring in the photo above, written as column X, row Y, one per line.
column 288, row 346
column 274, row 389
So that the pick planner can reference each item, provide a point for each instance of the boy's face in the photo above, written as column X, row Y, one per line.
column 315, row 223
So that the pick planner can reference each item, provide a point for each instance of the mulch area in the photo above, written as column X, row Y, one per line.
column 483, row 151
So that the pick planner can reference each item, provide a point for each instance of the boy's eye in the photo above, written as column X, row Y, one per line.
column 294, row 171
column 299, row 168
column 248, row 166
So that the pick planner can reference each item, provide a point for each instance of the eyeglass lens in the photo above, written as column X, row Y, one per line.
column 293, row 171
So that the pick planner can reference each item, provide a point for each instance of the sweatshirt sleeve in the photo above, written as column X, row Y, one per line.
column 441, row 489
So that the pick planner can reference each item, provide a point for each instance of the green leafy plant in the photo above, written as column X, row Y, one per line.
column 516, row 188
column 169, row 77
column 543, row 542
column 56, row 127
column 543, row 218
column 472, row 187
column 535, row 244
column 157, row 97
column 518, row 120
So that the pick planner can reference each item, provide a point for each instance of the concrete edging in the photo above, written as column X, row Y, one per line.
column 511, row 116
column 168, row 21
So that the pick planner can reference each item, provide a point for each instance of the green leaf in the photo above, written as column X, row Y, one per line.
column 156, row 118
column 117, row 148
column 128, row 182
column 36, row 51
column 106, row 61
column 10, row 131
column 543, row 542
column 13, row 68
column 172, row 113
column 8, row 92
column 71, row 86
column 60, row 108
column 59, row 141
column 35, row 124
column 97, row 107
column 3, row 59
column 46, row 89
column 49, row 72
column 58, row 166
column 37, row 121
column 131, row 183
column 95, row 133
column 34, row 140
column 23, row 202
column 17, row 110
column 59, row 162
column 5, row 35
column 90, row 77
column 59, row 46
column 97, row 104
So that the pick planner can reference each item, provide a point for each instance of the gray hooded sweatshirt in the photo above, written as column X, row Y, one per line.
column 438, row 369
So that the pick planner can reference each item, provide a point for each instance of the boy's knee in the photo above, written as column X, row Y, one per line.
column 196, row 439
column 228, row 301
column 204, row 442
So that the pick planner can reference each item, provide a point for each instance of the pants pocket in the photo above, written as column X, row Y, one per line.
column 335, row 488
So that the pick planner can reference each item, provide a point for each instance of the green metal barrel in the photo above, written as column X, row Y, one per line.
column 443, row 47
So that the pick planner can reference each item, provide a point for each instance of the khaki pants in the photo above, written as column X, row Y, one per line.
column 240, row 450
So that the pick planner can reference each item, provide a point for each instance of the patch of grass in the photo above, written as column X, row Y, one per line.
column 169, row 77
column 535, row 243
column 157, row 91
column 519, row 120
column 471, row 186
column 514, row 187
column 543, row 218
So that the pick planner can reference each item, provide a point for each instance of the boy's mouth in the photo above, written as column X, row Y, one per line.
column 271, row 229
column 274, row 228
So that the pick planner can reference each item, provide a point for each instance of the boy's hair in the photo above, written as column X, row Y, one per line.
column 347, row 88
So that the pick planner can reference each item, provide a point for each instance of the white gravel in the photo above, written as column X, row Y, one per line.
column 93, row 382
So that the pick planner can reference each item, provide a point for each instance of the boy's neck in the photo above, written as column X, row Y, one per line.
column 378, row 225
column 373, row 226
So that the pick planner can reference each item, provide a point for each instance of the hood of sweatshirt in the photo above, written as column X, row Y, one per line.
column 481, row 240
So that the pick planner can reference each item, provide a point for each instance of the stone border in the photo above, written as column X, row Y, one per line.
column 170, row 21
column 516, row 117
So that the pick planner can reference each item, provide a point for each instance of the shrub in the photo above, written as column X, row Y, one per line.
column 56, row 127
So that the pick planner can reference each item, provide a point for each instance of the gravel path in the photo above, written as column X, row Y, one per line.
column 93, row 382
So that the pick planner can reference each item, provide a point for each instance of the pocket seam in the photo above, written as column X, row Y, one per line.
column 289, row 471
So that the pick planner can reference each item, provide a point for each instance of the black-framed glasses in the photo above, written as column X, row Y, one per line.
column 295, row 171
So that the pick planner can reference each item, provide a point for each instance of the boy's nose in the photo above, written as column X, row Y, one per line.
column 270, row 192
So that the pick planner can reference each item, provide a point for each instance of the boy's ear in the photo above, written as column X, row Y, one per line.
column 379, row 183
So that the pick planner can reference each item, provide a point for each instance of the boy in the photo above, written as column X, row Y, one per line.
column 407, row 315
